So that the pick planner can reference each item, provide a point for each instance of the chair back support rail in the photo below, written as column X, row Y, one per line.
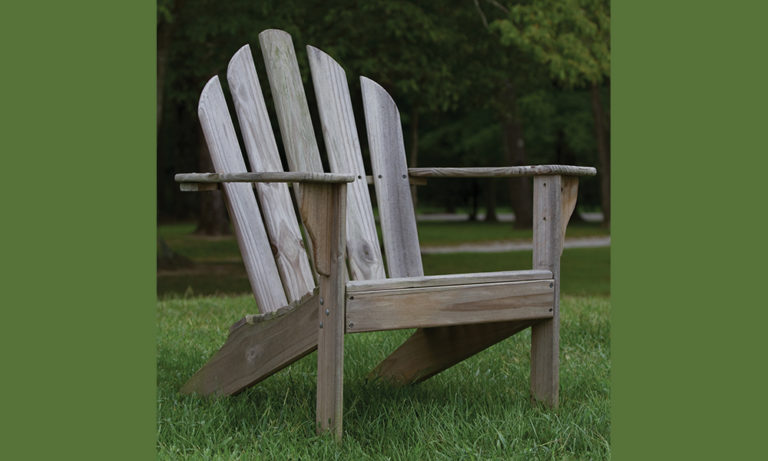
column 312, row 291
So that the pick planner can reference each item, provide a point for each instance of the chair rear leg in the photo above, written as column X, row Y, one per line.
column 431, row 350
column 257, row 349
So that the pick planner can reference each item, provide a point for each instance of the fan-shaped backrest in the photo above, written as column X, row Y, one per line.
column 275, row 246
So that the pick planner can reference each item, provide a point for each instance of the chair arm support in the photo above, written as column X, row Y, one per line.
column 210, row 181
column 282, row 176
column 502, row 172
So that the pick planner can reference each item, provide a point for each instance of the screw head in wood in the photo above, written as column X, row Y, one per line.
column 327, row 312
column 321, row 324
column 322, row 301
column 351, row 324
column 551, row 285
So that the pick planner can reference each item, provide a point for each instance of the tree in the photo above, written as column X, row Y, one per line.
column 501, row 86
column 462, row 93
column 191, row 35
column 571, row 40
column 410, row 48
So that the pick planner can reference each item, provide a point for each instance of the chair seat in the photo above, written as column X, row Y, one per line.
column 355, row 286
column 445, row 300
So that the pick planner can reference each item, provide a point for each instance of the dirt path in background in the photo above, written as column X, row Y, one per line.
column 494, row 247
column 502, row 217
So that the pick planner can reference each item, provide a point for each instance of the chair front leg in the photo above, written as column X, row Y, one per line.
column 548, row 192
column 323, row 208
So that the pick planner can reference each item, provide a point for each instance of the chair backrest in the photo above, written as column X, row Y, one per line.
column 273, row 251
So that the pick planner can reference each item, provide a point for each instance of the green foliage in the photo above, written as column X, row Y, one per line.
column 437, row 59
column 165, row 11
column 571, row 38
column 411, row 48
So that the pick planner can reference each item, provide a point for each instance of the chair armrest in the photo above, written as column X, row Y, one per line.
column 208, row 181
column 502, row 172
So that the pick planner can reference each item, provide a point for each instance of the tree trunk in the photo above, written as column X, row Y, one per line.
column 602, row 133
column 164, row 35
column 490, row 201
column 163, row 45
column 414, row 152
column 473, row 211
column 566, row 157
column 521, row 189
column 213, row 210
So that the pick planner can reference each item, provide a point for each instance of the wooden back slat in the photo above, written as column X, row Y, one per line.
column 390, row 176
column 345, row 156
column 241, row 201
column 290, row 101
column 279, row 216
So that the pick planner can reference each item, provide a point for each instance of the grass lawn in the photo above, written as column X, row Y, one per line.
column 449, row 233
column 478, row 409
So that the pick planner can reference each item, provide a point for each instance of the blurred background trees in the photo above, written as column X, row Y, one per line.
column 477, row 82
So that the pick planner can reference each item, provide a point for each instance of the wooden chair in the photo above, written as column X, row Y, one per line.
column 310, row 299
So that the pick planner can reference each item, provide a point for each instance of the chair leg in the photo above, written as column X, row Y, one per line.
column 548, row 231
column 545, row 362
column 257, row 349
column 431, row 350
column 323, row 208
column 330, row 372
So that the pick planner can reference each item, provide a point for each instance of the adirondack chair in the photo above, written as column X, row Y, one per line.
column 311, row 294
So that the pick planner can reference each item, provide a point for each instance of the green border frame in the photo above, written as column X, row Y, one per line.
column 688, row 118
column 688, row 115
column 78, row 230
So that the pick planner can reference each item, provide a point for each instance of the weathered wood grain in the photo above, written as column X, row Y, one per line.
column 241, row 201
column 545, row 335
column 446, row 280
column 431, row 350
column 449, row 305
column 275, row 200
column 324, row 209
column 411, row 180
column 345, row 156
column 569, row 192
column 390, row 171
column 290, row 101
column 502, row 172
column 257, row 349
column 283, row 176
